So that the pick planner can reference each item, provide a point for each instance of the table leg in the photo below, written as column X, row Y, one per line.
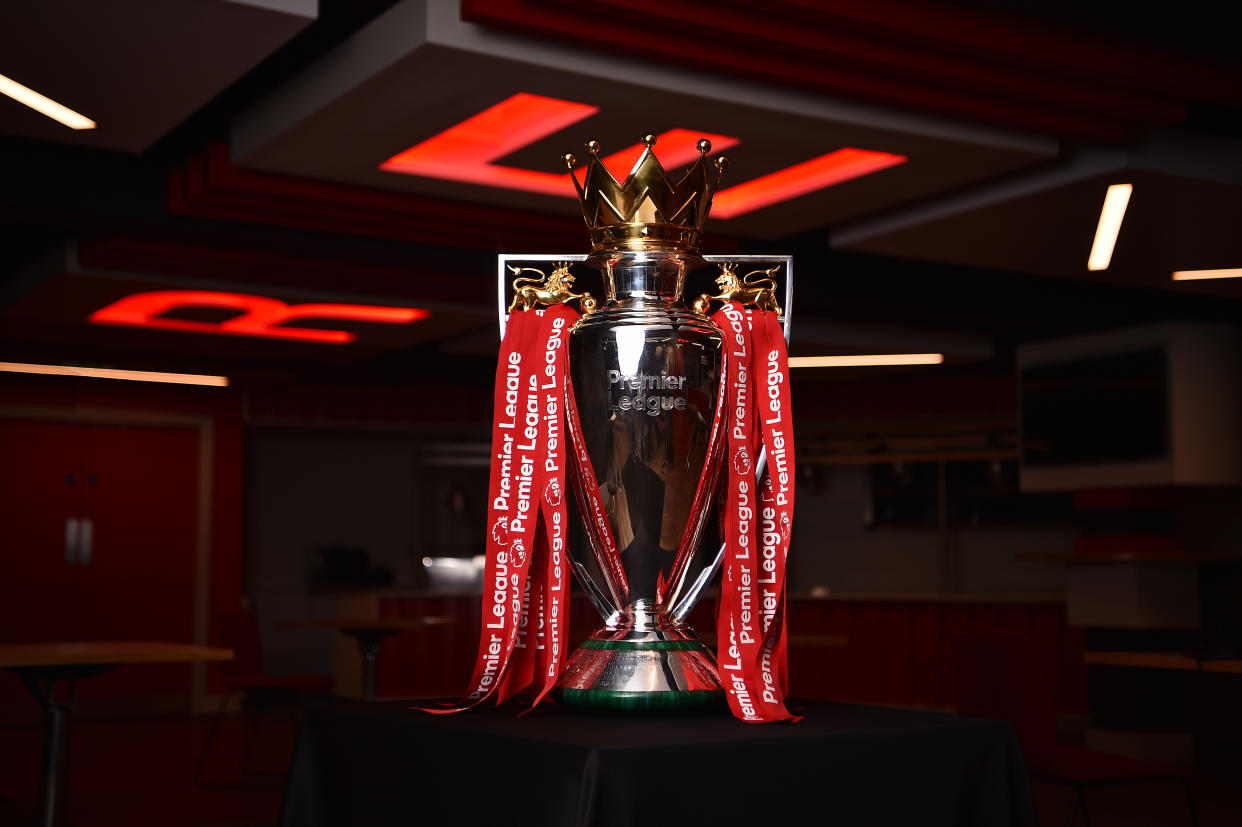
column 55, row 740
column 55, row 728
column 369, row 647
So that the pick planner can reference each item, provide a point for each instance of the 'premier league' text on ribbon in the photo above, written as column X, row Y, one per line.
column 524, row 608
column 753, row 662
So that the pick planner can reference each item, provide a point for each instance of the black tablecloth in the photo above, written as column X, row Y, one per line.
column 843, row 764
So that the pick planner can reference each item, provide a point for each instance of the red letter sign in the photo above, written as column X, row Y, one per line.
column 258, row 315
column 465, row 152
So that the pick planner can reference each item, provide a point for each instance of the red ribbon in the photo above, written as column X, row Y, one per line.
column 525, row 613
column 750, row 626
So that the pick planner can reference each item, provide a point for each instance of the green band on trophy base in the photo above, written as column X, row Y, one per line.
column 607, row 700
column 641, row 645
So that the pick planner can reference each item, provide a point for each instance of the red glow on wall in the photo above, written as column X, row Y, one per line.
column 257, row 315
column 465, row 152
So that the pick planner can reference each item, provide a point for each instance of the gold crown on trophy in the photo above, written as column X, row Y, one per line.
column 648, row 211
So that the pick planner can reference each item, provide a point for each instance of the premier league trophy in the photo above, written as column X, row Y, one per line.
column 643, row 409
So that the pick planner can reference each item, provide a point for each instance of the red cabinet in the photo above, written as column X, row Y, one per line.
column 98, row 538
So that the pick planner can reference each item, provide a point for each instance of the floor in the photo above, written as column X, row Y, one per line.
column 141, row 772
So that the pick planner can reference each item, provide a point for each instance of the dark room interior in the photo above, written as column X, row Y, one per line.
column 249, row 354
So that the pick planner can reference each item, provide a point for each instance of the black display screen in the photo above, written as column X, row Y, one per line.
column 1095, row 411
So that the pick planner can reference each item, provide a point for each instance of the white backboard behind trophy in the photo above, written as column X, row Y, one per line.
column 589, row 280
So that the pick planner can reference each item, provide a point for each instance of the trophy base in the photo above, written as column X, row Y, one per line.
column 641, row 667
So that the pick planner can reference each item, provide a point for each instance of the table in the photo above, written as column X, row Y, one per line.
column 368, row 632
column 1164, row 660
column 63, row 664
column 1213, row 721
column 383, row 763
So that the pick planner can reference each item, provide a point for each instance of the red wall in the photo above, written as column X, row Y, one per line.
column 902, row 652
column 30, row 397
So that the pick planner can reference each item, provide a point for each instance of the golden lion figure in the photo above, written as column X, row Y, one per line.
column 547, row 289
column 757, row 288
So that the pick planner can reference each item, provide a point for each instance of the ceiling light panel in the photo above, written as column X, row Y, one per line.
column 1195, row 275
column 465, row 152
column 44, row 105
column 866, row 360
column 111, row 373
column 1111, row 215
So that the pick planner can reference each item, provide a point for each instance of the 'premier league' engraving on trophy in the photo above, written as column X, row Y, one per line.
column 652, row 394
column 645, row 441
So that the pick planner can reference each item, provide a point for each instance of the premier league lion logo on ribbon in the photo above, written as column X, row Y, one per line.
column 518, row 550
column 500, row 531
column 552, row 493
column 741, row 461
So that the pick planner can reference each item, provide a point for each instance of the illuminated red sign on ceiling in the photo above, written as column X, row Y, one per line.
column 257, row 315
column 466, row 152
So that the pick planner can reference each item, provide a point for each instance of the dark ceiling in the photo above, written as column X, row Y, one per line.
column 263, row 124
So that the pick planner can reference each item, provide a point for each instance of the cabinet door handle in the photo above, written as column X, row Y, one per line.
column 87, row 546
column 72, row 532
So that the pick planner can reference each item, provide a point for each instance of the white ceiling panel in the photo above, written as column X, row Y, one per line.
column 138, row 68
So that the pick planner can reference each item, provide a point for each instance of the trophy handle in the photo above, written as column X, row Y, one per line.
column 757, row 289
column 756, row 284
column 727, row 265
column 544, row 290
column 691, row 597
column 598, row 599
column 505, row 292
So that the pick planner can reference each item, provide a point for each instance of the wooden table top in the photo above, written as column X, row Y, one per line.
column 14, row 655
column 1164, row 660
column 367, row 623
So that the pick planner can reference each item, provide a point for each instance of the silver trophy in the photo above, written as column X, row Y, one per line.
column 645, row 375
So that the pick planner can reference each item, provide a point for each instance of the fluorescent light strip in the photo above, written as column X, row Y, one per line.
column 1194, row 275
column 1114, row 210
column 44, row 105
column 106, row 373
column 866, row 360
